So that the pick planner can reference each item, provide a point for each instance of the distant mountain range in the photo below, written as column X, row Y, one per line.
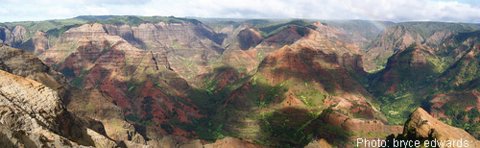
column 131, row 81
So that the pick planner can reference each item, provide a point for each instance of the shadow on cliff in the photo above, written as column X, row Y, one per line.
column 233, row 106
column 296, row 127
column 227, row 99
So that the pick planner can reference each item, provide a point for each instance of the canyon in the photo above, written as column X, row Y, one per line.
column 131, row 81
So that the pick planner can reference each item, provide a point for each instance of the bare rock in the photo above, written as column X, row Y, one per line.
column 422, row 125
column 32, row 115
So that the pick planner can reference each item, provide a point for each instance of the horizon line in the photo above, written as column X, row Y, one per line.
column 244, row 18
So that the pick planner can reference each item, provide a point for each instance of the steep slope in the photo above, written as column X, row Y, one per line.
column 457, row 102
column 27, row 65
column 405, row 81
column 99, row 117
column 402, row 35
column 32, row 115
column 260, row 39
column 249, row 44
column 238, row 44
column 292, row 90
column 140, row 82
column 361, row 32
column 188, row 47
column 441, row 78
column 189, row 44
column 421, row 126
column 248, row 38
column 165, row 81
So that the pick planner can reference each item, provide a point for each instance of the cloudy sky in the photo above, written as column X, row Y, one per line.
column 393, row 10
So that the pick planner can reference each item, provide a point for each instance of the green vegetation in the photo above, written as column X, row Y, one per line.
column 133, row 20
column 397, row 108
column 296, row 127
column 208, row 129
column 288, row 127
column 147, row 108
column 77, row 82
column 311, row 97
column 57, row 31
column 426, row 29
column 133, row 118
column 45, row 26
column 439, row 64
column 54, row 28
column 410, row 84
column 466, row 71
column 263, row 93
column 273, row 29
column 464, row 119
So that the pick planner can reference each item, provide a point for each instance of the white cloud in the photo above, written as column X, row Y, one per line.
column 394, row 10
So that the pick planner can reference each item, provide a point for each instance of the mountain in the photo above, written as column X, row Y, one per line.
column 27, row 65
column 401, row 35
column 293, row 90
column 140, row 82
column 430, row 76
column 458, row 100
column 33, row 113
column 422, row 126
column 166, row 81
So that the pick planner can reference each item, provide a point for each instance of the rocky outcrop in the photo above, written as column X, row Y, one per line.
column 322, row 143
column 25, row 64
column 141, row 80
column 40, row 42
column 426, row 73
column 112, row 120
column 32, row 115
column 422, row 126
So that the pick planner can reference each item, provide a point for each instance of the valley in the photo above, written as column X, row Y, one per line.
column 133, row 81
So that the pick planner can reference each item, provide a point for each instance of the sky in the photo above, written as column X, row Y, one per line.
column 388, row 10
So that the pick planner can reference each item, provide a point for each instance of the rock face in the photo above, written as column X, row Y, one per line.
column 14, row 36
column 40, row 42
column 249, row 37
column 414, row 64
column 461, row 104
column 25, row 64
column 314, row 73
column 423, row 126
column 51, row 125
column 184, row 47
column 440, row 78
column 175, row 82
column 400, row 36
column 141, row 83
